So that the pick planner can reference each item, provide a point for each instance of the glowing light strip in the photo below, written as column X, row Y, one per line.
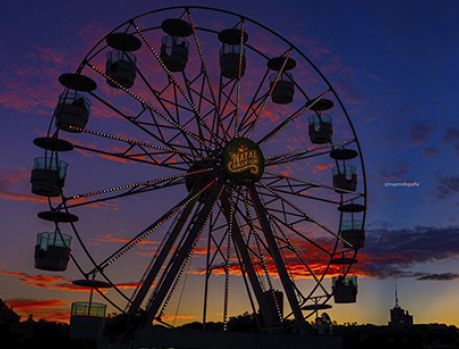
column 298, row 254
column 238, row 88
column 282, row 125
column 148, row 105
column 271, row 90
column 176, row 84
column 132, row 141
column 206, row 74
column 262, row 258
column 227, row 263
column 138, row 184
column 302, row 152
column 190, row 253
column 315, row 184
column 133, row 243
column 305, row 214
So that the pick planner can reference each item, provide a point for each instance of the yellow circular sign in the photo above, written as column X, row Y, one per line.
column 243, row 161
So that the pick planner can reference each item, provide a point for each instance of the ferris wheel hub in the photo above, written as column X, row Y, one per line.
column 243, row 161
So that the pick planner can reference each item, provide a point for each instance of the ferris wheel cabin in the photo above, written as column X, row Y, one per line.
column 48, row 176
column 352, row 233
column 72, row 111
column 320, row 126
column 345, row 178
column 232, row 65
column 87, row 320
column 344, row 289
column 174, row 45
column 120, row 68
column 52, row 251
column 320, row 129
column 282, row 83
column 120, row 65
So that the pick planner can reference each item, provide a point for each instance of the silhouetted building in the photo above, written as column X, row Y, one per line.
column 399, row 317
column 7, row 315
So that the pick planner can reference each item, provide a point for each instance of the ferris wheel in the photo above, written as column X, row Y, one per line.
column 229, row 146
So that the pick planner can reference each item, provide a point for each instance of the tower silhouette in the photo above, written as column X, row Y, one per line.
column 399, row 317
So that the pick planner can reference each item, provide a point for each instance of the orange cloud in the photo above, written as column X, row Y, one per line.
column 323, row 167
column 52, row 282
column 179, row 317
column 111, row 238
column 114, row 158
column 33, row 304
column 51, row 309
column 57, row 282
column 18, row 197
column 9, row 196
column 128, row 285
column 15, row 175
column 203, row 250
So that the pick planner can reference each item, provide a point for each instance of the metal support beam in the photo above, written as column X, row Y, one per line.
column 277, row 258
column 248, row 265
column 182, row 254
column 159, row 261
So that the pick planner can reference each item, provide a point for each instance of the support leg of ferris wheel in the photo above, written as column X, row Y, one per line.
column 183, row 253
column 277, row 258
column 160, row 259
column 248, row 265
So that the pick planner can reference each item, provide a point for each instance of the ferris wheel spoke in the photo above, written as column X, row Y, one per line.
column 252, row 110
column 135, row 120
column 215, row 121
column 303, row 154
column 292, row 228
column 186, row 123
column 217, row 243
column 197, row 120
column 284, row 221
column 201, row 57
column 135, row 142
column 217, row 124
column 276, row 256
column 305, row 196
column 239, row 75
column 83, row 202
column 247, row 287
column 149, row 106
column 145, row 233
column 299, row 256
column 259, row 243
column 306, row 216
column 298, row 191
column 164, row 289
column 302, row 185
column 132, row 189
column 161, row 255
column 256, row 100
column 269, row 95
column 242, row 249
column 228, row 103
column 159, row 99
column 175, row 82
column 136, row 158
column 177, row 106
column 307, row 106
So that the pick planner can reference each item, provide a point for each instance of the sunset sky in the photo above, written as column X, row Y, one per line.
column 394, row 65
